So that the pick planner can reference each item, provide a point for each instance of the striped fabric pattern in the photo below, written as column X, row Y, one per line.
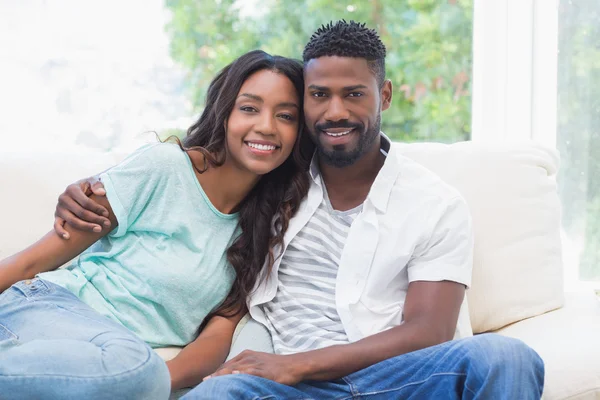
column 303, row 314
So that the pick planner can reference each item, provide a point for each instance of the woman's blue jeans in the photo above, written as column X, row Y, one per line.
column 54, row 346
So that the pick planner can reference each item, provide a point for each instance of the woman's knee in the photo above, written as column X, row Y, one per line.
column 151, row 380
column 135, row 371
column 147, row 380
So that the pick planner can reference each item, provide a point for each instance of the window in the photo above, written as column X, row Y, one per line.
column 91, row 74
column 578, row 132
column 100, row 74
column 429, row 47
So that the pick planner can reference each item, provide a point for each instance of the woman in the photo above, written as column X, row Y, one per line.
column 194, row 225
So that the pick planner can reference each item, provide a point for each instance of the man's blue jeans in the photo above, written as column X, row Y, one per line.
column 53, row 346
column 482, row 367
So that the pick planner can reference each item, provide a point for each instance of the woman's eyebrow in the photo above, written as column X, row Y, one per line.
column 260, row 99
column 252, row 96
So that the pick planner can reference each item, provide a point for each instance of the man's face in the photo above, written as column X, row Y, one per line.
column 342, row 106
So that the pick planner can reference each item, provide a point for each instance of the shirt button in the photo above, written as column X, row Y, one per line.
column 28, row 282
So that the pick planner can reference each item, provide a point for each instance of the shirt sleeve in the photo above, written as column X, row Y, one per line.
column 132, row 184
column 448, row 254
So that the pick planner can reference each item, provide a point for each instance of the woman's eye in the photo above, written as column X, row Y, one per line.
column 287, row 117
column 247, row 109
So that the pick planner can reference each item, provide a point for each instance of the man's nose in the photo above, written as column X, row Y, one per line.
column 336, row 110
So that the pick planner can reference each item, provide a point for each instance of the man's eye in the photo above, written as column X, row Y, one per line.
column 318, row 94
column 355, row 94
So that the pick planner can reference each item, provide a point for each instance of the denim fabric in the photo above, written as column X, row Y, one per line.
column 482, row 367
column 53, row 346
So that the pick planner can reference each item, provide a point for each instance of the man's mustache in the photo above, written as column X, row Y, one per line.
column 344, row 125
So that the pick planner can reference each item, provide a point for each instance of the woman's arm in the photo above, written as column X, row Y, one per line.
column 204, row 355
column 50, row 252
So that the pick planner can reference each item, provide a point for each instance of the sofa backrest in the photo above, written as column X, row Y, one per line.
column 511, row 191
column 512, row 194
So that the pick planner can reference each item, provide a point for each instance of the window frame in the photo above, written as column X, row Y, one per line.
column 515, row 82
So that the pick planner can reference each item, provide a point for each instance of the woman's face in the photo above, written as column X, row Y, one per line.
column 263, row 125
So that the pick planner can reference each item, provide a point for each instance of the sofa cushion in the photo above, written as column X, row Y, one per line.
column 567, row 341
column 31, row 183
column 511, row 191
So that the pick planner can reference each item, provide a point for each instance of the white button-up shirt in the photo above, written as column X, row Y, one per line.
column 413, row 227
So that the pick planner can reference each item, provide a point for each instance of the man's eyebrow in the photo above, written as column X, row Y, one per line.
column 354, row 87
column 319, row 88
column 260, row 99
column 346, row 88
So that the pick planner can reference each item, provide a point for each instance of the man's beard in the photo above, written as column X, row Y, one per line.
column 339, row 157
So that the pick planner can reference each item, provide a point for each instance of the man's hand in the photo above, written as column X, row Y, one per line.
column 282, row 369
column 75, row 207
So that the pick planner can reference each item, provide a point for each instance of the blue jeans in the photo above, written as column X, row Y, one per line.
column 54, row 346
column 482, row 367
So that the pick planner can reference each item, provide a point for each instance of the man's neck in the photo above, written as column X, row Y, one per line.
column 349, row 186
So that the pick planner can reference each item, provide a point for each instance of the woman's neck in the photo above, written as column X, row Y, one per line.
column 225, row 186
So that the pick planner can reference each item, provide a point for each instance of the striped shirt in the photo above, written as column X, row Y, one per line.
column 303, row 314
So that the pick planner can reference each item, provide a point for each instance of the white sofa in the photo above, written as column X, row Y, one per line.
column 517, row 287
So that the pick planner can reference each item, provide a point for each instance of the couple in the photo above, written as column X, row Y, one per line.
column 354, row 258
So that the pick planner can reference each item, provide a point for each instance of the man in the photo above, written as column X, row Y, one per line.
column 370, row 290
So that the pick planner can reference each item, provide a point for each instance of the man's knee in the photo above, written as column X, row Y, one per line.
column 496, row 351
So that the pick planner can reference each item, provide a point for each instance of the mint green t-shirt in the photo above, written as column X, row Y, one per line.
column 164, row 268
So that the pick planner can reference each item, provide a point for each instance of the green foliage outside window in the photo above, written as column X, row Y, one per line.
column 428, row 42
column 429, row 61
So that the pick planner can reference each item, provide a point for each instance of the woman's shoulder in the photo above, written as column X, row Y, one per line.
column 160, row 150
column 157, row 155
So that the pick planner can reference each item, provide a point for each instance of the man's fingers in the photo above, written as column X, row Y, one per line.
column 67, row 208
column 77, row 223
column 59, row 228
column 98, row 189
column 84, row 202
column 77, row 194
column 221, row 371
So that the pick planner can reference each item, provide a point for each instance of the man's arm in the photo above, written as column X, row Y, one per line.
column 50, row 252
column 205, row 354
column 76, row 207
column 430, row 316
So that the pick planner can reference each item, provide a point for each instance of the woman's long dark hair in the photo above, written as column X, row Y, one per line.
column 266, row 211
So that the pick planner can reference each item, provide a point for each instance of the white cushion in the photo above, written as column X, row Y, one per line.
column 568, row 342
column 30, row 183
column 511, row 191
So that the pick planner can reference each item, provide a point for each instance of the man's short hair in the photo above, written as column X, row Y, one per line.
column 348, row 39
